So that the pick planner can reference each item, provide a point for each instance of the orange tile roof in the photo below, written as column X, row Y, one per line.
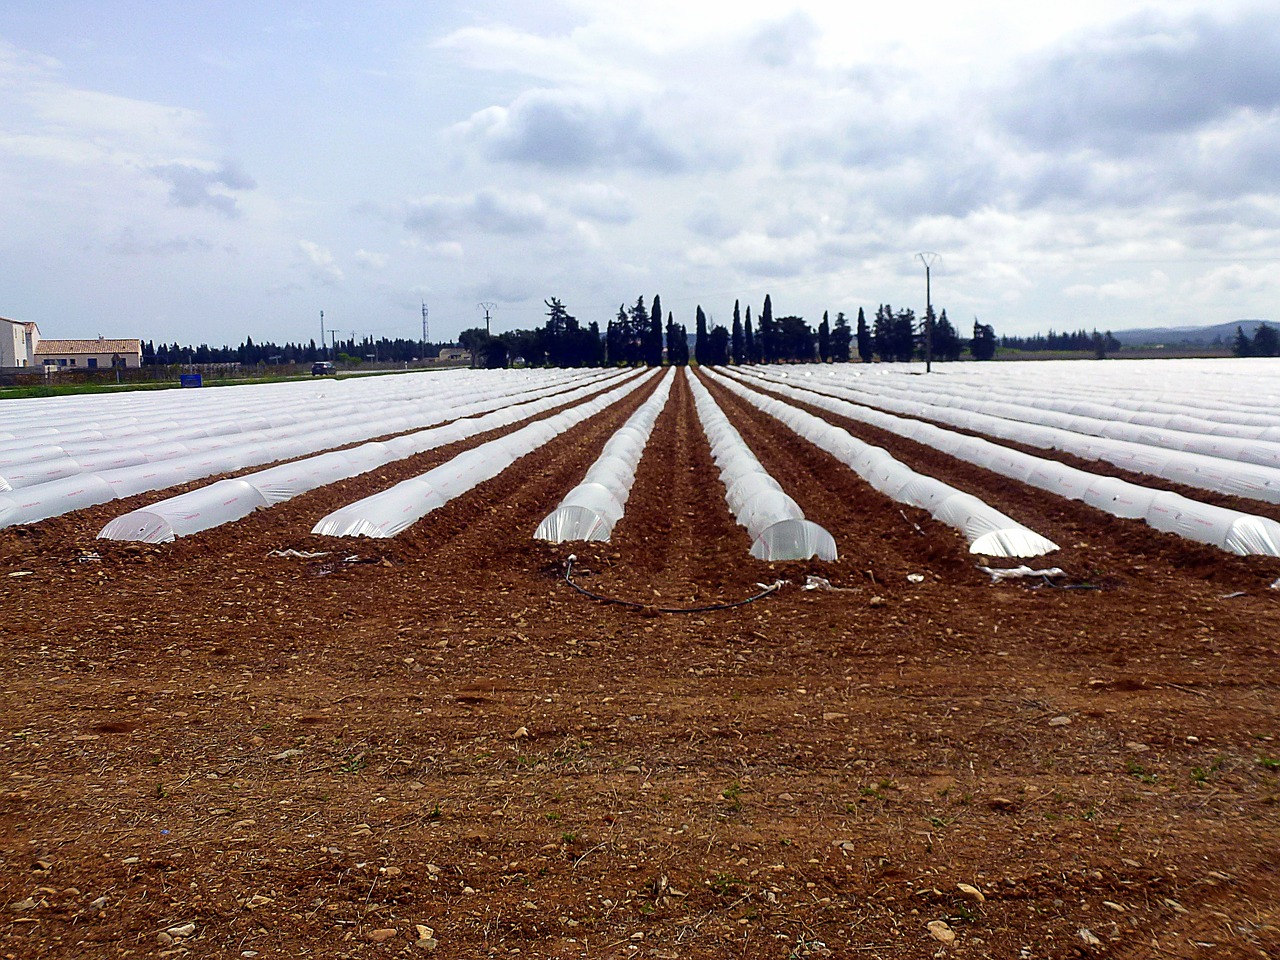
column 49, row 347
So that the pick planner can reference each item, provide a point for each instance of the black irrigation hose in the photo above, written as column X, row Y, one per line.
column 568, row 578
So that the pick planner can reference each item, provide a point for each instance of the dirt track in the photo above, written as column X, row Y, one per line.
column 298, row 756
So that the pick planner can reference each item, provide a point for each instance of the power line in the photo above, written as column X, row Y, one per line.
column 928, row 258
column 486, row 306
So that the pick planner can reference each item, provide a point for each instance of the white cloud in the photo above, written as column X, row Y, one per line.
column 787, row 42
column 577, row 59
column 320, row 263
column 372, row 261
column 485, row 211
column 1152, row 75
column 594, row 150
column 200, row 185
column 1154, row 285
column 601, row 202
column 444, row 250
column 571, row 131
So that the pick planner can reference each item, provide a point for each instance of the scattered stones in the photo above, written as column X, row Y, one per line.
column 1060, row 721
column 381, row 935
column 1000, row 803
column 877, row 602
column 521, row 733
column 1111, row 904
column 972, row 892
column 287, row 754
column 941, row 931
column 181, row 930
column 23, row 905
column 1089, row 938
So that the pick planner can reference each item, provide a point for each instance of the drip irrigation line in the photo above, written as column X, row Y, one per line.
column 1070, row 586
column 568, row 578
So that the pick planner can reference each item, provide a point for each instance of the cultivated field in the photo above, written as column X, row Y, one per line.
column 433, row 743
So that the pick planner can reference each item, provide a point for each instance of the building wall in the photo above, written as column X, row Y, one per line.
column 11, row 343
column 17, row 343
column 90, row 361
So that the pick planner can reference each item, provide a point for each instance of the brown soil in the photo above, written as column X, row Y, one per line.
column 212, row 751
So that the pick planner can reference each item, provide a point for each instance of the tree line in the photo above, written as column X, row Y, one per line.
column 1265, row 342
column 1080, row 341
column 643, row 336
column 249, row 353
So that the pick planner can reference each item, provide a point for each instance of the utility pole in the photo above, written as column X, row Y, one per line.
column 486, row 306
column 322, row 335
column 928, row 259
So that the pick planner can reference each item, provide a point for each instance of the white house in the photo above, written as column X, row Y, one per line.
column 18, row 342
column 90, row 354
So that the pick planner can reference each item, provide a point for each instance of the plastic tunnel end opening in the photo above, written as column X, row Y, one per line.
column 794, row 540
column 1019, row 543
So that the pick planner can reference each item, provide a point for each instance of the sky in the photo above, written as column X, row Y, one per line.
column 206, row 171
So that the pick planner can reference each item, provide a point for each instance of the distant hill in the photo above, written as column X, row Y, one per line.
column 1222, row 333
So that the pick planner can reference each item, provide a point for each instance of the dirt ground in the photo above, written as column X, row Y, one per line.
column 434, row 744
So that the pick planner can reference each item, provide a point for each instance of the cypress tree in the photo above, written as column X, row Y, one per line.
column 653, row 340
column 738, row 342
column 841, row 339
column 700, row 338
column 866, row 348
column 768, row 340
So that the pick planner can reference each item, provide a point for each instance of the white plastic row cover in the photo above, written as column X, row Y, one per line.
column 775, row 522
column 939, row 400
column 1228, row 391
column 1191, row 416
column 392, row 511
column 246, row 440
column 131, row 418
column 220, row 455
column 227, row 500
column 987, row 531
column 591, row 509
column 1230, row 530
